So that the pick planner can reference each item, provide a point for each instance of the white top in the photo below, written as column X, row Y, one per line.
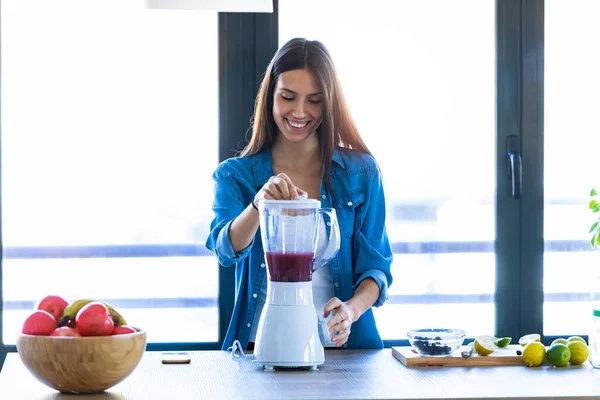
column 322, row 283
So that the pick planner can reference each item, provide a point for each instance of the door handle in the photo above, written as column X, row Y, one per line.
column 515, row 165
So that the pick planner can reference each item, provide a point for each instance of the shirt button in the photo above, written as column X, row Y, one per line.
column 262, row 265
column 249, row 325
column 337, row 284
column 349, row 204
column 255, row 295
column 323, row 197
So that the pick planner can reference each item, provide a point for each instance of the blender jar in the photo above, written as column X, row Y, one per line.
column 290, row 234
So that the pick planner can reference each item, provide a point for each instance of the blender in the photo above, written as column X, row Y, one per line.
column 295, row 246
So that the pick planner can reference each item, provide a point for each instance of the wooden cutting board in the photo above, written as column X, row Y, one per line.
column 505, row 356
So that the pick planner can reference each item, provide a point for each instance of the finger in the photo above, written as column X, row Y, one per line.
column 336, row 323
column 282, row 187
column 274, row 191
column 336, row 320
column 302, row 194
column 273, row 187
column 292, row 189
column 341, row 338
column 340, row 326
column 287, row 189
column 330, row 306
column 263, row 193
column 268, row 195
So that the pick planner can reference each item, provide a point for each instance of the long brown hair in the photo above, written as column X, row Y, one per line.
column 336, row 129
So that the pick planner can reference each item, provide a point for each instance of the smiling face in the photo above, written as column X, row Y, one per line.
column 297, row 105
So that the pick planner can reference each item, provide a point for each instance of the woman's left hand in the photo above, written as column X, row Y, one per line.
column 343, row 318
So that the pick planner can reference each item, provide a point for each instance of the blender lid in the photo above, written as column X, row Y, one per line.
column 301, row 203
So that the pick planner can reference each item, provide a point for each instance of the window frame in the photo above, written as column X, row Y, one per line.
column 520, row 108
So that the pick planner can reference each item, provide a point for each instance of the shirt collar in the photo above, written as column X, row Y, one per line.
column 262, row 168
column 337, row 157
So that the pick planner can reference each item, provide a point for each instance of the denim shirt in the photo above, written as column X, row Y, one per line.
column 365, row 251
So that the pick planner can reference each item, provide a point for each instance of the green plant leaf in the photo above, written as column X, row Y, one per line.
column 598, row 239
column 594, row 226
column 592, row 204
column 596, row 208
column 593, row 192
column 593, row 241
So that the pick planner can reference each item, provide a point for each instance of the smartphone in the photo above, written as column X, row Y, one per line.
column 176, row 358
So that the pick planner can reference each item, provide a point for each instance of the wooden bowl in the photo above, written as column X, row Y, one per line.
column 81, row 364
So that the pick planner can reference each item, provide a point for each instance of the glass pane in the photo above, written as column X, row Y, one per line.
column 423, row 82
column 571, row 140
column 109, row 139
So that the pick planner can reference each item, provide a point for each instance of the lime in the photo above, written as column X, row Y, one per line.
column 576, row 338
column 533, row 354
column 579, row 352
column 558, row 355
column 561, row 340
column 532, row 337
column 505, row 341
column 484, row 345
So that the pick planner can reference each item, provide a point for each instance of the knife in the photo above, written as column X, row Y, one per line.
column 468, row 351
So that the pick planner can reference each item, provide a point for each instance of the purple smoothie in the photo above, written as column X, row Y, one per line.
column 290, row 267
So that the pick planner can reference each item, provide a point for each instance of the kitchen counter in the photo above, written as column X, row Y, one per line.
column 346, row 374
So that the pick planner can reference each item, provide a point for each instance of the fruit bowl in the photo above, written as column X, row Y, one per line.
column 81, row 364
column 436, row 342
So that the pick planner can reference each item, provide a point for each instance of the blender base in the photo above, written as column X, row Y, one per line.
column 288, row 334
column 280, row 365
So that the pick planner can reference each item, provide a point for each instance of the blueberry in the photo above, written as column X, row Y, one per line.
column 432, row 348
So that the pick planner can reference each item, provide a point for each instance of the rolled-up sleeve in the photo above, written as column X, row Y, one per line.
column 374, row 255
column 227, row 206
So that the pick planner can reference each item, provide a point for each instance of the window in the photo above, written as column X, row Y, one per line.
column 571, row 139
column 109, row 140
column 113, row 122
column 425, row 82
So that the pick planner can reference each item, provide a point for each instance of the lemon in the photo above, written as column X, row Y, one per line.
column 532, row 337
column 561, row 340
column 579, row 352
column 576, row 338
column 533, row 354
column 558, row 355
column 484, row 345
column 503, row 342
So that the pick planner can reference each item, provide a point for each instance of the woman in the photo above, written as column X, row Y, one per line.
column 305, row 143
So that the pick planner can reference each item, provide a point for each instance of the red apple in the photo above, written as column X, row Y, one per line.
column 94, row 320
column 39, row 323
column 54, row 305
column 65, row 331
column 123, row 330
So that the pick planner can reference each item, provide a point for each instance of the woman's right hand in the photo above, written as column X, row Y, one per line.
column 279, row 187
